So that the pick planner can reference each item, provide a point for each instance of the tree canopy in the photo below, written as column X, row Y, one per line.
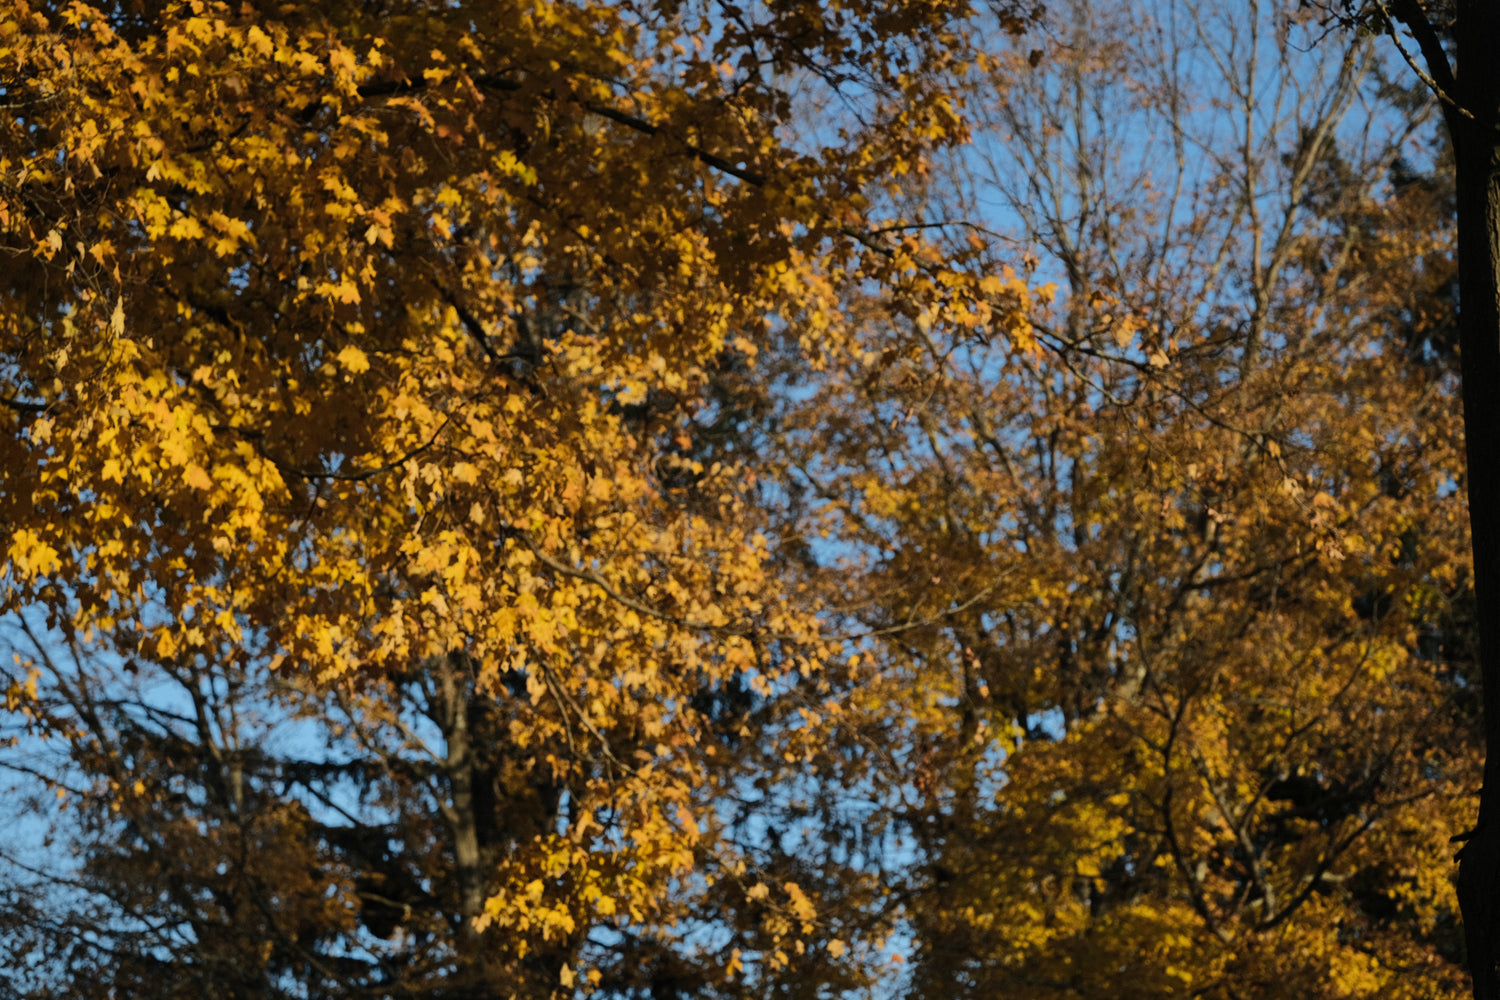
column 707, row 500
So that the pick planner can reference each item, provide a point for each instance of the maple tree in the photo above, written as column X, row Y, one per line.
column 362, row 339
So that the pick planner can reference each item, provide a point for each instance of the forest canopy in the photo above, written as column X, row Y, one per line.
column 705, row 500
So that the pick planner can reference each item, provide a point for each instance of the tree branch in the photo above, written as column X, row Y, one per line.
column 490, row 81
column 1438, row 76
column 22, row 405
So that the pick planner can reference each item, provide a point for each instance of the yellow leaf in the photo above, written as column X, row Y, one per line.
column 353, row 360
column 197, row 477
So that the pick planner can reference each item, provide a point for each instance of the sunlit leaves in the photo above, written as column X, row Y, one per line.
column 385, row 338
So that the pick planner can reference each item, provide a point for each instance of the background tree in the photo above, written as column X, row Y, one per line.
column 1177, row 608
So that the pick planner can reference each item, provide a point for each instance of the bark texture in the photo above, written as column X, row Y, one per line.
column 1472, row 119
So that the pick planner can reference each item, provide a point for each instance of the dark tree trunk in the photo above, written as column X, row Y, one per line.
column 1471, row 108
column 1472, row 119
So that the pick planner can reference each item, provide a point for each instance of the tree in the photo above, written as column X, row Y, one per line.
column 374, row 338
column 1176, row 608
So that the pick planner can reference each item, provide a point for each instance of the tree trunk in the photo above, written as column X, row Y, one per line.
column 464, row 818
column 1477, row 155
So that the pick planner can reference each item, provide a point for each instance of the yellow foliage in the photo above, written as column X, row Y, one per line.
column 383, row 339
